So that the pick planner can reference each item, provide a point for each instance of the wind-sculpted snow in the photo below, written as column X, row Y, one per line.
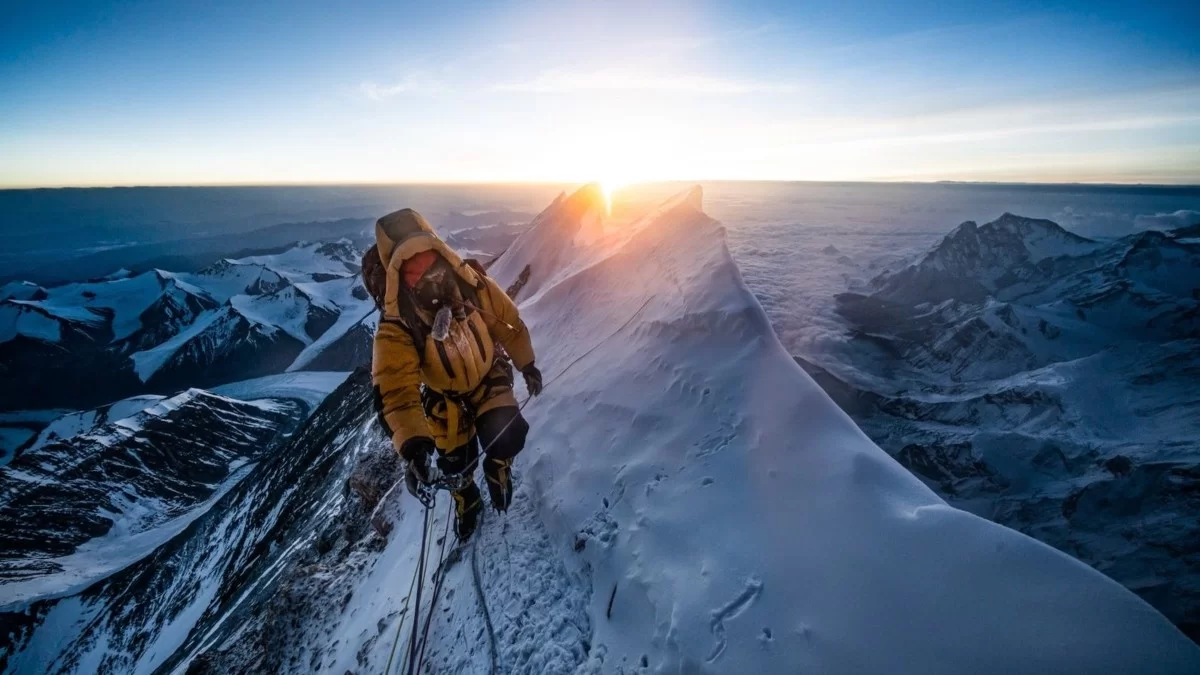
column 749, row 525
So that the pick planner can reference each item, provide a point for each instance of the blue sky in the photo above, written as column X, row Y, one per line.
column 122, row 92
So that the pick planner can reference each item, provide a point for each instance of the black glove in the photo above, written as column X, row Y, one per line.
column 416, row 452
column 533, row 379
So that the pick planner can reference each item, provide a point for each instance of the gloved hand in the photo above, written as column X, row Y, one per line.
column 533, row 379
column 416, row 452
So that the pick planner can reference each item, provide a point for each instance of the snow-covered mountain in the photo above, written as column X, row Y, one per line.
column 83, row 344
column 689, row 500
column 972, row 262
column 1049, row 383
column 74, row 509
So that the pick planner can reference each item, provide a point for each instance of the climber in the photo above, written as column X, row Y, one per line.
column 442, row 381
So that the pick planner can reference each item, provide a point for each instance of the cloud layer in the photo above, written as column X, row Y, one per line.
column 1168, row 221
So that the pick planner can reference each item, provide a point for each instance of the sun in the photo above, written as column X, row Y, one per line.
column 608, row 186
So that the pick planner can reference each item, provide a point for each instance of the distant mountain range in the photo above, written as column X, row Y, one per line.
column 1049, row 382
column 83, row 344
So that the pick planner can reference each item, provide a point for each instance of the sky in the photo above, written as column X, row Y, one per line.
column 121, row 92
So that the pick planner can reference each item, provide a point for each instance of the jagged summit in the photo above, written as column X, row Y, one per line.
column 974, row 261
column 570, row 221
column 1009, row 238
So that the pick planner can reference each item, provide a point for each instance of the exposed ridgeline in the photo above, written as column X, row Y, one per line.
column 689, row 500
column 84, row 344
column 73, row 511
column 1047, row 382
column 229, row 555
column 746, row 524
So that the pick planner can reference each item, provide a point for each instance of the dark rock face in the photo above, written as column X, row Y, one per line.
column 39, row 374
column 151, row 467
column 164, row 319
column 319, row 320
column 350, row 351
column 342, row 251
column 232, row 349
column 514, row 289
column 225, row 571
column 948, row 466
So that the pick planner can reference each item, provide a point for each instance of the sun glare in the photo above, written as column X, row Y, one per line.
column 608, row 186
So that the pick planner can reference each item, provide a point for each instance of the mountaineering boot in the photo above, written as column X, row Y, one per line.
column 499, row 480
column 467, row 503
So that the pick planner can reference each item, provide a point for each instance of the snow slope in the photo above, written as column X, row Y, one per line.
column 72, row 424
column 752, row 526
column 691, row 501
column 310, row 388
column 78, row 508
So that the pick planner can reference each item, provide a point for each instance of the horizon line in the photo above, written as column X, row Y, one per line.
column 548, row 183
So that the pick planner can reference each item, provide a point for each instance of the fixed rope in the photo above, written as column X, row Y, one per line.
column 418, row 573
column 440, row 574
column 421, row 563
column 487, row 617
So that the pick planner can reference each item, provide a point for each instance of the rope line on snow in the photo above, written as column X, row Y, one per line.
column 440, row 574
column 487, row 616
column 412, row 641
column 400, row 626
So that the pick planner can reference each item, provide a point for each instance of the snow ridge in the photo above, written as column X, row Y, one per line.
column 754, row 527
